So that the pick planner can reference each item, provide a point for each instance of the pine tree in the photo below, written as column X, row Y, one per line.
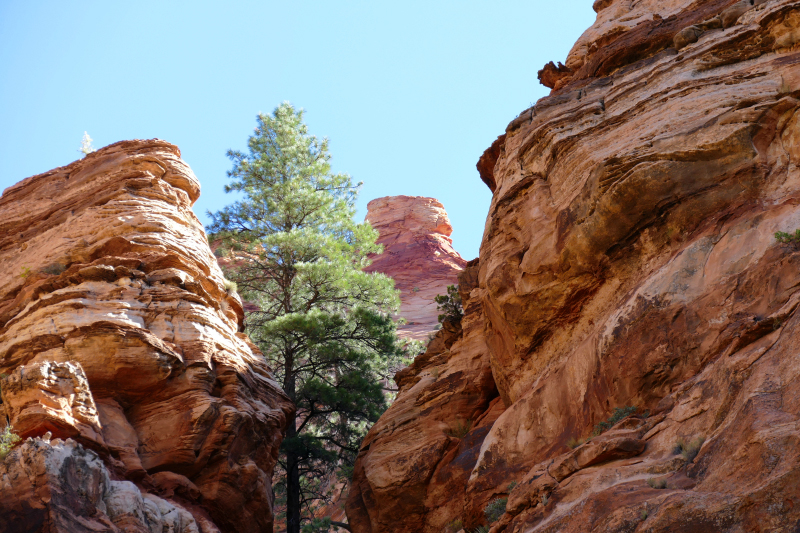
column 323, row 324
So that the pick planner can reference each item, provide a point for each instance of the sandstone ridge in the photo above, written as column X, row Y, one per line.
column 629, row 259
column 121, row 346
column 418, row 254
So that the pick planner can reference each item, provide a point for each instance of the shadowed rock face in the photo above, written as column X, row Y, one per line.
column 629, row 258
column 116, row 332
column 418, row 254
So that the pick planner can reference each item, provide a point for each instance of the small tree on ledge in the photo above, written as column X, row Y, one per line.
column 450, row 305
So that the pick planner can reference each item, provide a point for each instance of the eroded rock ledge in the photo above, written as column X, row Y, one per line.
column 116, row 332
column 629, row 258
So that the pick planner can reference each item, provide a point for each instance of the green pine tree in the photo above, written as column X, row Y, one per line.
column 323, row 324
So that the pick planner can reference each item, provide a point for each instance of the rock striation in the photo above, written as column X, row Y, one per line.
column 118, row 338
column 418, row 254
column 629, row 259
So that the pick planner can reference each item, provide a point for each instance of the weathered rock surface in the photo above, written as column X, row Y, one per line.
column 416, row 460
column 59, row 486
column 116, row 331
column 629, row 258
column 418, row 254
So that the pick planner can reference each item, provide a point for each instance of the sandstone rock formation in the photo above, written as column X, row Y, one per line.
column 629, row 259
column 415, row 461
column 116, row 332
column 60, row 486
column 418, row 254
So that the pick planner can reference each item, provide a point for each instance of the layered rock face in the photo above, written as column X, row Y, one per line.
column 118, row 338
column 418, row 254
column 629, row 259
column 415, row 461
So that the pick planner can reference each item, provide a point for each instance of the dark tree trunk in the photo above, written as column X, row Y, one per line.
column 292, row 486
column 292, row 460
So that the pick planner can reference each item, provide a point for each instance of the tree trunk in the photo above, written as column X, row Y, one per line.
column 292, row 486
column 292, row 460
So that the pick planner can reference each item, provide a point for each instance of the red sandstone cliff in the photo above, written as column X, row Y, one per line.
column 119, row 339
column 629, row 258
column 418, row 254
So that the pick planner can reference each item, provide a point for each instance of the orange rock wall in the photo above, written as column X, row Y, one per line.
column 629, row 258
column 118, row 338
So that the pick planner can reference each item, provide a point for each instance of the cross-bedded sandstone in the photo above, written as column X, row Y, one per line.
column 116, row 331
column 418, row 254
column 629, row 258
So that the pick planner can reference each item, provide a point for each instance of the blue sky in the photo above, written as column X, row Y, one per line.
column 409, row 93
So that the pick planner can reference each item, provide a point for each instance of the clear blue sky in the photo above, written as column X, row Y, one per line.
column 409, row 93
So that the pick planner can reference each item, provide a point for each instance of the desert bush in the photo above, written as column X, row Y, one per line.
column 454, row 527
column 461, row 429
column 689, row 450
column 450, row 305
column 654, row 483
column 495, row 509
column 54, row 269
column 788, row 238
column 618, row 414
column 86, row 145
column 7, row 441
column 573, row 442
column 481, row 529
column 230, row 286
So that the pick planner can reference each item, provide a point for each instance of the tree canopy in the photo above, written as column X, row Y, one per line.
column 323, row 324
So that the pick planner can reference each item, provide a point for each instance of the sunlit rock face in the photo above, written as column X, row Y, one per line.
column 116, row 332
column 418, row 254
column 629, row 259
column 416, row 460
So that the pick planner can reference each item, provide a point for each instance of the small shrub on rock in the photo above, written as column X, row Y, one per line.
column 461, row 429
column 230, row 286
column 618, row 414
column 86, row 145
column 689, row 450
column 788, row 238
column 495, row 509
column 7, row 441
column 54, row 270
column 654, row 483
column 573, row 443
column 454, row 527
column 450, row 305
